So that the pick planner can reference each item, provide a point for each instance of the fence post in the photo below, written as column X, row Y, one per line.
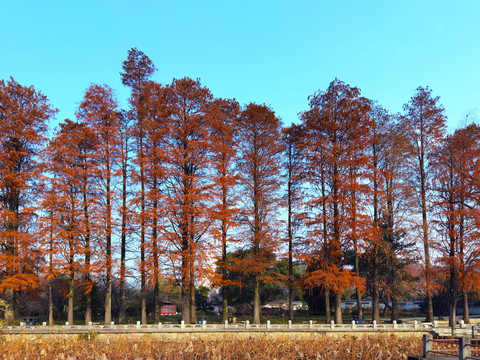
column 374, row 322
column 138, row 325
column 204, row 324
column 182, row 324
column 225, row 325
column 394, row 324
column 289, row 324
column 427, row 344
column 415, row 324
column 353, row 324
column 464, row 350
column 246, row 324
column 332, row 324
column 462, row 324
column 473, row 331
column 434, row 323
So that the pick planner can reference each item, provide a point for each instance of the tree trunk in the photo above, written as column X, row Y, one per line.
column 376, row 292
column 395, row 309
column 224, row 304
column 328, row 315
column 70, row 297
column 358, row 294
column 426, row 244
column 338, row 307
column 51, row 322
column 185, row 290
column 466, row 315
column 108, row 301
column 123, row 246
column 256, row 302
column 86, row 278
column 156, row 290
column 193, row 308
column 9, row 312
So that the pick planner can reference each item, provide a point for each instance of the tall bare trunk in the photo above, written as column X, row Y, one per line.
column 466, row 315
column 9, row 313
column 86, row 278
column 426, row 244
column 70, row 296
column 338, row 307
column 328, row 316
column 256, row 302
column 51, row 322
column 123, row 245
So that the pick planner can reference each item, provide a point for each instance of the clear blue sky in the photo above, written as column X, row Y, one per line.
column 273, row 52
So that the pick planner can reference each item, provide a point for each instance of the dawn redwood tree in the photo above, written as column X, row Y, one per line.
column 98, row 111
column 453, row 165
column 337, row 135
column 64, row 165
column 85, row 144
column 260, row 170
column 156, row 129
column 125, row 139
column 137, row 69
column 223, row 114
column 187, row 189
column 424, row 123
column 24, row 113
column 467, row 144
column 48, row 227
column 293, row 168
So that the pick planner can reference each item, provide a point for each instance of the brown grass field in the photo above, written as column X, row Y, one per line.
column 210, row 346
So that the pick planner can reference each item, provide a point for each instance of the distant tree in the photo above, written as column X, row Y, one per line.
column 156, row 129
column 126, row 138
column 137, row 70
column 98, row 110
column 24, row 113
column 293, row 167
column 453, row 164
column 187, row 191
column 223, row 116
column 337, row 136
column 64, row 165
column 424, row 123
column 259, row 165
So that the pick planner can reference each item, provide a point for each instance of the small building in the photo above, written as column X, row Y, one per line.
column 167, row 307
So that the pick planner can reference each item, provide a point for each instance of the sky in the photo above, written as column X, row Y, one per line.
column 273, row 52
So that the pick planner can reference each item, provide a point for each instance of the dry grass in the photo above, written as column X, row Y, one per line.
column 208, row 346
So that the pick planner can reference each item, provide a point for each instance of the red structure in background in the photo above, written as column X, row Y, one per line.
column 168, row 307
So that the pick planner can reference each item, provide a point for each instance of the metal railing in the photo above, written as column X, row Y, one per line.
column 462, row 347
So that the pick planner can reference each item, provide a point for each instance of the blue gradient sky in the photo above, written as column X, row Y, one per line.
column 273, row 52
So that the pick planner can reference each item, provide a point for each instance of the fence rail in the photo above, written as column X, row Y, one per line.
column 463, row 348
column 310, row 326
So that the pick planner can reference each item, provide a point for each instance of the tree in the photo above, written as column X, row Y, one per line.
column 137, row 70
column 24, row 113
column 453, row 165
column 98, row 110
column 337, row 136
column 425, row 126
column 223, row 116
column 125, row 136
column 259, row 166
column 293, row 165
column 187, row 190
column 64, row 165
column 156, row 129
